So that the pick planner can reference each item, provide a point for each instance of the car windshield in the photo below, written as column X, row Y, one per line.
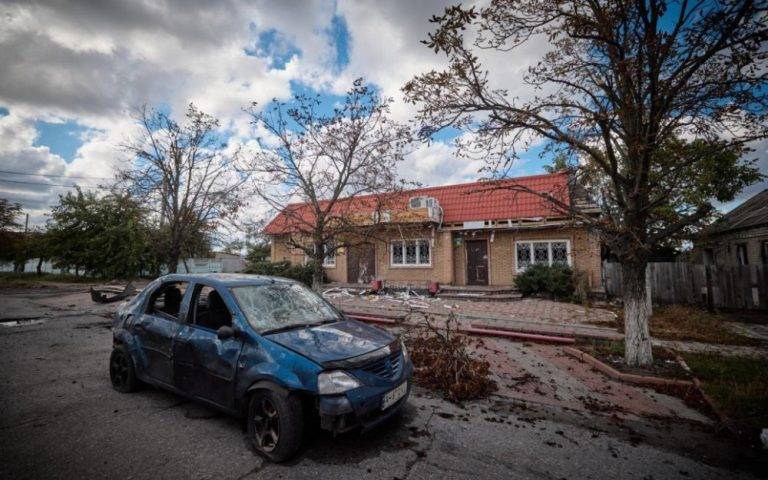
column 281, row 305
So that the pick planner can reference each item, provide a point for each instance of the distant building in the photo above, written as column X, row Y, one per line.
column 740, row 237
column 218, row 262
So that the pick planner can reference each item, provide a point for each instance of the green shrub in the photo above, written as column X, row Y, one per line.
column 299, row 272
column 556, row 281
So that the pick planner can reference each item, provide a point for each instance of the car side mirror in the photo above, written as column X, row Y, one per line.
column 225, row 332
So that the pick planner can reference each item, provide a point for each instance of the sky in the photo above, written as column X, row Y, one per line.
column 73, row 72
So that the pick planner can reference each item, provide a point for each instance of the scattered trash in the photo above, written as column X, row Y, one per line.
column 409, row 298
column 21, row 322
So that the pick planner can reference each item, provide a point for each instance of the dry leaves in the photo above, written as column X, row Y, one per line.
column 443, row 361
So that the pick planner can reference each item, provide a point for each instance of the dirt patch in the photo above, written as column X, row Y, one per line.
column 665, row 363
column 443, row 361
column 522, row 380
column 599, row 406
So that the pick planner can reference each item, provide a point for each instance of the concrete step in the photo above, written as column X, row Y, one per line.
column 471, row 289
column 480, row 297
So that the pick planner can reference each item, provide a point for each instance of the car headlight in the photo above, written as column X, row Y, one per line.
column 405, row 350
column 330, row 383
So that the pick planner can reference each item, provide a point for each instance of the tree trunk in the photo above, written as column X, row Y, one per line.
column 317, row 264
column 173, row 261
column 637, row 338
column 40, row 266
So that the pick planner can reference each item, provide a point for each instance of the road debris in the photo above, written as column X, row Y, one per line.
column 112, row 293
column 442, row 361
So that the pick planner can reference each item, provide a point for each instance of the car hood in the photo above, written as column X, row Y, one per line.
column 333, row 342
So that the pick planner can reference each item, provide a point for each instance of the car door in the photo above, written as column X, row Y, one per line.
column 156, row 328
column 205, row 365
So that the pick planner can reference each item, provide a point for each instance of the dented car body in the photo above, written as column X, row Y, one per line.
column 267, row 349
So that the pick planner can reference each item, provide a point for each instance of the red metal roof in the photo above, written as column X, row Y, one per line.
column 460, row 203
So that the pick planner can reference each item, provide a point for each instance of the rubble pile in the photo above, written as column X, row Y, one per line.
column 408, row 298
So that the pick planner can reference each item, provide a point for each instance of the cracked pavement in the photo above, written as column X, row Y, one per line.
column 61, row 419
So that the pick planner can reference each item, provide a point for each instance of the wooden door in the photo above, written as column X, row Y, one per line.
column 477, row 262
column 361, row 263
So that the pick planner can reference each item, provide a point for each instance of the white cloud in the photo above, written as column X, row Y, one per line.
column 93, row 62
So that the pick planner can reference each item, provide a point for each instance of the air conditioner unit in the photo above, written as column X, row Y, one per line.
column 421, row 202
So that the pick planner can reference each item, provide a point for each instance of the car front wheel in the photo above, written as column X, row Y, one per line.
column 121, row 371
column 275, row 424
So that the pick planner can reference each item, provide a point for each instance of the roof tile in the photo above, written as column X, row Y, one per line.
column 486, row 200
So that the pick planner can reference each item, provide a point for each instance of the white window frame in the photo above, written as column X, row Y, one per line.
column 549, row 243
column 418, row 263
column 332, row 258
column 326, row 263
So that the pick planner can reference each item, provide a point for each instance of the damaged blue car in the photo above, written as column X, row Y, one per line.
column 267, row 349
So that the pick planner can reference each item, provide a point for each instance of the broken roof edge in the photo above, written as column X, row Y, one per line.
column 273, row 228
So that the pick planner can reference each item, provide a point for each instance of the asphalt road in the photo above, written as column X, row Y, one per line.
column 61, row 419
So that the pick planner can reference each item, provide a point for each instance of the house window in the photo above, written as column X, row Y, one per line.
column 329, row 260
column 741, row 254
column 406, row 253
column 765, row 252
column 523, row 256
column 550, row 252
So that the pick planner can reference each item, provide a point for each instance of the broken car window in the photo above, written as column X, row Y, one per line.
column 210, row 310
column 167, row 299
column 267, row 307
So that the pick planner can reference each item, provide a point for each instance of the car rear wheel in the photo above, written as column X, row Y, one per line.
column 121, row 371
column 275, row 424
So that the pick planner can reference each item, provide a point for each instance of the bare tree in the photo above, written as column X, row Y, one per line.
column 184, row 172
column 315, row 166
column 622, row 80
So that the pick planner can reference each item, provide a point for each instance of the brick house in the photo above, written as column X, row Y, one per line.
column 466, row 234
column 740, row 237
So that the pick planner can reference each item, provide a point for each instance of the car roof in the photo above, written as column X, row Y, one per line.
column 222, row 280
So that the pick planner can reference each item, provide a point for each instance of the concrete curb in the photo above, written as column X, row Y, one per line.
column 512, row 324
column 724, row 419
column 624, row 377
column 473, row 330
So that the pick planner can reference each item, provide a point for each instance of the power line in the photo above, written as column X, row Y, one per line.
column 50, row 184
column 53, row 175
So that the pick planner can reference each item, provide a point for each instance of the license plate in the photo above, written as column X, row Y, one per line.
column 392, row 396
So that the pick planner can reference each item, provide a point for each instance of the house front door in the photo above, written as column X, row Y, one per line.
column 477, row 262
column 361, row 263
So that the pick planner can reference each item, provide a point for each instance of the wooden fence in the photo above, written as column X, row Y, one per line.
column 713, row 286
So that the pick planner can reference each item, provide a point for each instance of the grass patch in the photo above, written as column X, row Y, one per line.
column 32, row 279
column 686, row 323
column 738, row 385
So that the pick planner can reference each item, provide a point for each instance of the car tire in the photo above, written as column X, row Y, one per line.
column 275, row 424
column 121, row 371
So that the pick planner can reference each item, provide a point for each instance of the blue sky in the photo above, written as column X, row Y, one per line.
column 63, row 138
